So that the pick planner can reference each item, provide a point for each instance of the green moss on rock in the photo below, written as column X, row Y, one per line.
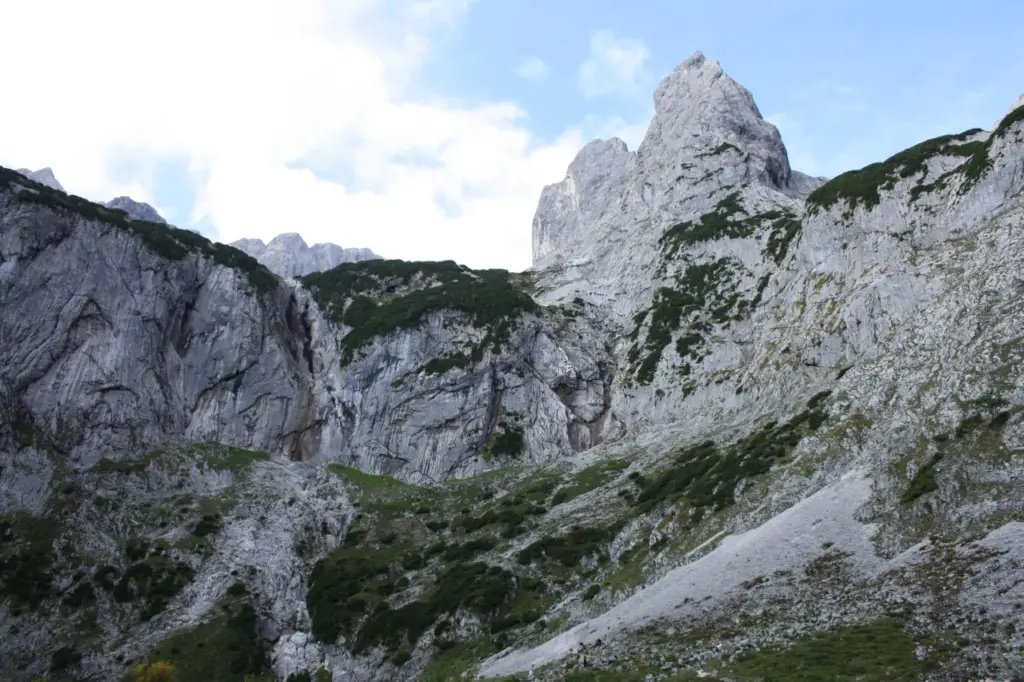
column 862, row 187
column 488, row 297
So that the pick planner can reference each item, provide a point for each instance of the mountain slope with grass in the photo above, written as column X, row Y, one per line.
column 779, row 435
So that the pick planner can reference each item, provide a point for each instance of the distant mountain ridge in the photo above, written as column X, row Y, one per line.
column 288, row 255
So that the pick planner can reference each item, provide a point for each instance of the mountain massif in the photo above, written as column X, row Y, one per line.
column 735, row 423
column 289, row 256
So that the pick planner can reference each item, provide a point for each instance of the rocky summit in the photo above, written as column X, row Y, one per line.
column 736, row 423
column 289, row 256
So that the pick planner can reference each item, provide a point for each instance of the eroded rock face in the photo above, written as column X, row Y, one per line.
column 726, row 288
column 695, row 289
column 592, row 187
column 107, row 342
column 288, row 255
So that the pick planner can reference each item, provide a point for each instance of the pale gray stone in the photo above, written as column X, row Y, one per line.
column 289, row 256
column 138, row 210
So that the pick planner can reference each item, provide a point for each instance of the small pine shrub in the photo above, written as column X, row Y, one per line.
column 158, row 671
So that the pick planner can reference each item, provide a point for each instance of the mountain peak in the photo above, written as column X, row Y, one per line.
column 139, row 210
column 289, row 240
column 698, row 108
column 43, row 176
column 289, row 255
column 695, row 59
column 707, row 134
column 593, row 183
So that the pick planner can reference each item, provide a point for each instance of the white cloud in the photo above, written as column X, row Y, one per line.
column 614, row 65
column 532, row 68
column 249, row 98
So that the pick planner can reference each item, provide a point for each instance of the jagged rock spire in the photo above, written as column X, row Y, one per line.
column 706, row 134
column 698, row 109
column 594, row 182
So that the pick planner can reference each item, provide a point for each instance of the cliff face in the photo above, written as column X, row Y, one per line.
column 111, row 339
column 774, row 400
column 754, row 289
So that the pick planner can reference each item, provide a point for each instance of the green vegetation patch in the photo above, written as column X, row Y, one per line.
column 1010, row 120
column 133, row 466
column 509, row 517
column 457, row 658
column 227, row 457
column 448, row 362
column 413, row 560
column 572, row 547
column 348, row 294
column 784, row 230
column 881, row 651
column 704, row 295
column 862, row 186
column 716, row 224
column 367, row 482
column 347, row 584
column 721, row 222
column 506, row 441
column 169, row 242
column 923, row 482
column 226, row 647
column 26, row 559
column 591, row 478
column 705, row 476
column 349, row 593
column 151, row 580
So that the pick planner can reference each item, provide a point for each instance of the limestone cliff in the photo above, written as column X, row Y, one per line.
column 749, row 408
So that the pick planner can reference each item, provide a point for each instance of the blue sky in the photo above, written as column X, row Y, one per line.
column 849, row 81
column 425, row 129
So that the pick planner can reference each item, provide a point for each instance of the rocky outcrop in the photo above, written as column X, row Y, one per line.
column 289, row 256
column 592, row 187
column 43, row 176
column 137, row 210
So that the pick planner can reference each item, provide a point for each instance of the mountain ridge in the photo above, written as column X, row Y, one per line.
column 288, row 255
column 748, row 412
